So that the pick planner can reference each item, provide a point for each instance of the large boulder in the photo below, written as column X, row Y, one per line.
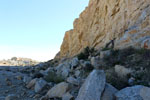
column 134, row 93
column 93, row 86
column 58, row 91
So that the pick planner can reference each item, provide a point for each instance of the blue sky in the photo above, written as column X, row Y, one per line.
column 35, row 28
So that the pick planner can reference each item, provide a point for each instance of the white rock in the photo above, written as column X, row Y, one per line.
column 67, row 96
column 58, row 91
column 138, row 92
column 93, row 86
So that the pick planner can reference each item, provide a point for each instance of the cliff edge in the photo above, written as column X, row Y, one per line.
column 126, row 21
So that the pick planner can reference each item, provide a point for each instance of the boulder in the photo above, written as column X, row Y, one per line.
column 67, row 96
column 32, row 83
column 72, row 80
column 109, row 92
column 58, row 91
column 63, row 69
column 27, row 79
column 138, row 92
column 39, row 85
column 74, row 62
column 93, row 86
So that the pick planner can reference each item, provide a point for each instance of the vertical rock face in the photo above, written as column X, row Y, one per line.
column 103, row 20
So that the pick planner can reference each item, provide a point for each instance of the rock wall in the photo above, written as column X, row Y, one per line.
column 103, row 20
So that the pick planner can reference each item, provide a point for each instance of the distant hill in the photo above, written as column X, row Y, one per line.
column 14, row 61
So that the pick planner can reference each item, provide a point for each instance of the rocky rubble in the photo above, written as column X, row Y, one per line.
column 77, row 79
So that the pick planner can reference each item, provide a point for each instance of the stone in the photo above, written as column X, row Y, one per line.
column 109, row 92
column 19, row 77
column 122, row 71
column 77, row 73
column 32, row 83
column 39, row 85
column 127, row 22
column 95, row 61
column 72, row 80
column 93, row 86
column 27, row 79
column 67, row 96
column 58, row 90
column 131, row 81
column 11, row 97
column 63, row 69
column 74, row 62
column 138, row 92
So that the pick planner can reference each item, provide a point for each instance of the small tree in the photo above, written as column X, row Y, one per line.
column 14, row 58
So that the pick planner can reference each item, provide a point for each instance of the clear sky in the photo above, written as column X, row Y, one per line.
column 35, row 28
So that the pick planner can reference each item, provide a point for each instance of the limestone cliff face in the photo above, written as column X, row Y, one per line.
column 126, row 20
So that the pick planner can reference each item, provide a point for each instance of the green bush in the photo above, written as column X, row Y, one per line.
column 53, row 77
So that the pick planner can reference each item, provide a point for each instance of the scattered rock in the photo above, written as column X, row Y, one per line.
column 93, row 86
column 58, row 91
column 134, row 93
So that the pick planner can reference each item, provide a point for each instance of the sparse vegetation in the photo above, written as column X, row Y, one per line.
column 86, row 53
column 53, row 77
column 136, row 59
